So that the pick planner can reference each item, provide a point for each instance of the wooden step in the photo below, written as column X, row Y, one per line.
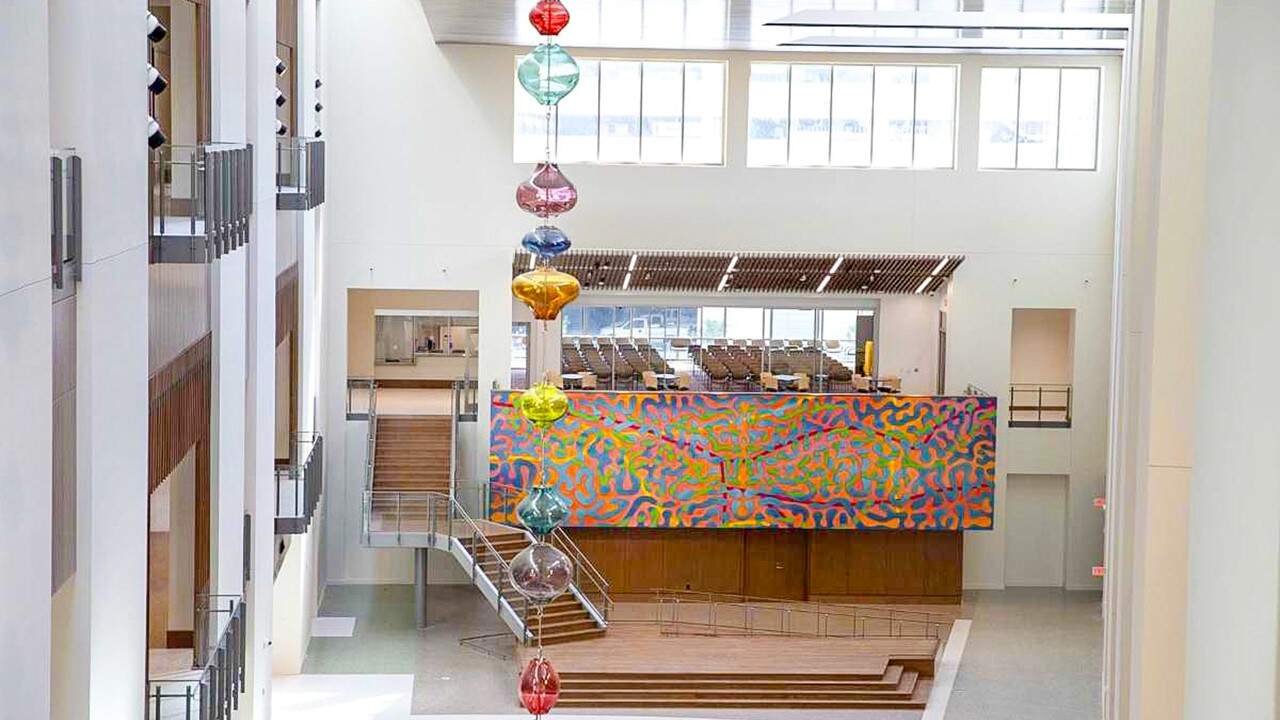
column 892, row 680
column 555, row 638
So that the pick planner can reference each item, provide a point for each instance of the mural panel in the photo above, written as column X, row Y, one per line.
column 681, row 459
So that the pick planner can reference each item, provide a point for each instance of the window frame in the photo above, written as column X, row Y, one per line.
column 957, row 69
column 1017, row 120
column 684, row 63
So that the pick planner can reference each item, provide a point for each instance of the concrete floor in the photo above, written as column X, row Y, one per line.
column 1031, row 653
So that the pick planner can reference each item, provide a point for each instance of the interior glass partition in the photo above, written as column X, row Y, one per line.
column 717, row 347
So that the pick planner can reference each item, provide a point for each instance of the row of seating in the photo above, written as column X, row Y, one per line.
column 648, row 379
column 622, row 361
column 738, row 364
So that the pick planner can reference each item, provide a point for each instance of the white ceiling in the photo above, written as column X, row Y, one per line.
column 740, row 24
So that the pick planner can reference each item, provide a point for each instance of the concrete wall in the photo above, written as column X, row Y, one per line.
column 421, row 197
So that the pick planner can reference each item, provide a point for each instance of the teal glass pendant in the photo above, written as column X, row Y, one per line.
column 548, row 73
column 542, row 510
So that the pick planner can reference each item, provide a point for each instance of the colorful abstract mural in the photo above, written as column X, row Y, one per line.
column 645, row 459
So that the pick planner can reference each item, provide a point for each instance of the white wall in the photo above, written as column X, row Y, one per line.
column 421, row 196
column 1233, row 599
column 26, row 354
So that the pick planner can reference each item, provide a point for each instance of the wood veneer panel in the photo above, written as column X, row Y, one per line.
column 944, row 563
column 178, row 414
column 866, row 562
column 775, row 563
column 904, row 562
column 643, row 565
column 828, row 566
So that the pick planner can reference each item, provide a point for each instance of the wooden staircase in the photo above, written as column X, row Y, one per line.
column 414, row 453
column 563, row 620
column 897, row 688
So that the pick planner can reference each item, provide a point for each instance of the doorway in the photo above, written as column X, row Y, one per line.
column 1035, row 530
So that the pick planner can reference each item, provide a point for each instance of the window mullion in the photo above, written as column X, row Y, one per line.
column 831, row 110
column 1057, row 139
column 1017, row 120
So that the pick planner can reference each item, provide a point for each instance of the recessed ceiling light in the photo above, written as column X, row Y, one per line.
column 732, row 264
column 724, row 280
column 835, row 266
column 924, row 284
column 632, row 265
column 626, row 281
column 941, row 264
column 823, row 285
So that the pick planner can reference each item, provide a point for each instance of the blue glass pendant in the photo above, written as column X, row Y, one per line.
column 546, row 241
column 542, row 510
column 548, row 73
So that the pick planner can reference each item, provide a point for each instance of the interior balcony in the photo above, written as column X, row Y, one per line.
column 299, row 174
column 201, row 201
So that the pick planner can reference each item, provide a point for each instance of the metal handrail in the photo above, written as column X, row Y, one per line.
column 304, row 475
column 476, row 537
column 371, row 442
column 848, row 609
column 849, row 620
column 215, row 694
column 972, row 390
column 559, row 537
column 1040, row 408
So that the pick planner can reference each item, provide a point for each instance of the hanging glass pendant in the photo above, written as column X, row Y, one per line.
column 546, row 242
column 543, row 404
column 542, row 510
column 541, row 572
column 549, row 17
column 548, row 73
column 547, row 192
column 539, row 686
column 545, row 290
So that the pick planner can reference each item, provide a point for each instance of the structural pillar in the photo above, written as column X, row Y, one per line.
column 1233, row 599
column 421, row 566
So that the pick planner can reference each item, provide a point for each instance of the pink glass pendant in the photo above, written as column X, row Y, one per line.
column 547, row 192
column 549, row 17
column 539, row 686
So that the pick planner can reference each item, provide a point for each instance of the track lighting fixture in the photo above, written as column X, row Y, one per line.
column 318, row 133
column 156, row 31
column 319, row 107
column 281, row 129
column 318, row 83
column 280, row 98
column 155, row 136
column 280, row 66
column 155, row 81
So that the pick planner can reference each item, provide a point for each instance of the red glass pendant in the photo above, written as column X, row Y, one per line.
column 549, row 17
column 547, row 192
column 539, row 686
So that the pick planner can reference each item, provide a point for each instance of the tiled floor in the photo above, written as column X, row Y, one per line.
column 1030, row 654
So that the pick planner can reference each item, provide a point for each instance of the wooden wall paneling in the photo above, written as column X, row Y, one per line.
column 944, row 563
column 719, row 554
column 904, row 562
column 179, row 410
column 775, row 563
column 644, row 568
column 828, row 568
column 865, row 558
column 157, row 589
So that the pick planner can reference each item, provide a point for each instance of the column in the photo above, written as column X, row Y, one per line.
column 26, row 379
column 1234, row 530
column 97, row 102
column 259, row 488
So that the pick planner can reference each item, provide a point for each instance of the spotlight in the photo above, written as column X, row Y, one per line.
column 281, row 129
column 155, row 136
column 318, row 83
column 280, row 98
column 319, row 107
column 155, row 81
column 156, row 31
column 280, row 66
column 318, row 133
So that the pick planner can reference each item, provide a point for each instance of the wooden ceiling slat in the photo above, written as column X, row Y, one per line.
column 789, row 273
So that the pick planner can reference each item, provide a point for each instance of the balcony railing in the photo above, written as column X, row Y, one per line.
column 299, row 174
column 211, row 691
column 201, row 201
column 299, row 484
column 1044, row 405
